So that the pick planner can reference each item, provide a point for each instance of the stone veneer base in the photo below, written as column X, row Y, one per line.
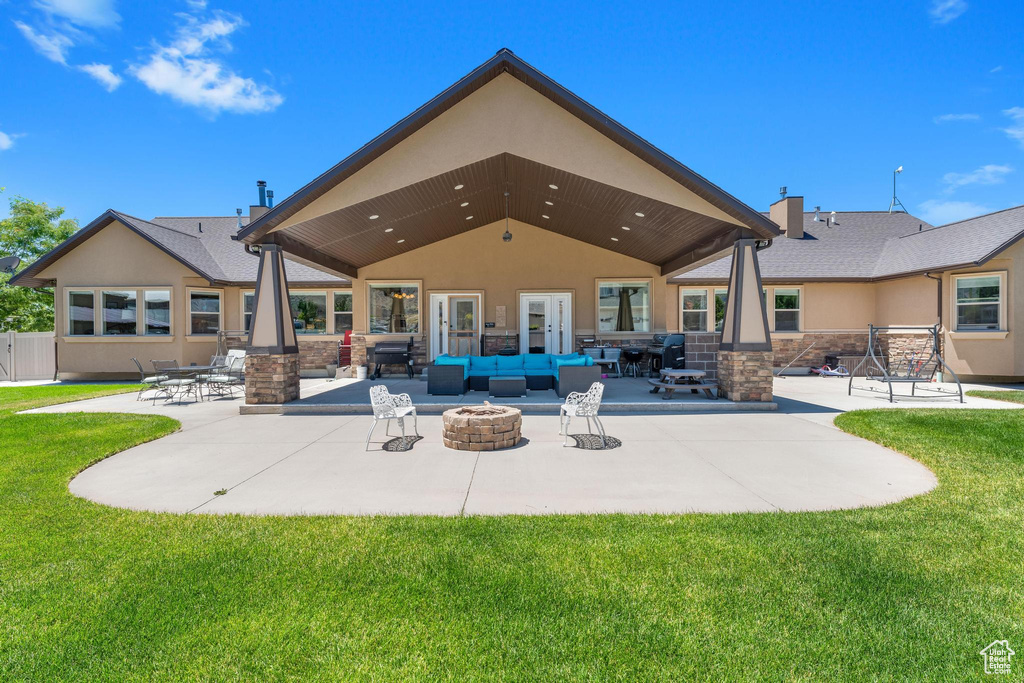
column 745, row 375
column 271, row 378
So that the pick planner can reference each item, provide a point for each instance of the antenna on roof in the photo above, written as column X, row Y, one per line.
column 782, row 191
column 9, row 263
column 895, row 201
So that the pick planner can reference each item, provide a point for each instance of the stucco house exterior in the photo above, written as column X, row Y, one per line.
column 509, row 212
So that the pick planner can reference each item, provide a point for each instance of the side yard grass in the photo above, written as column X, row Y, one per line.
column 908, row 591
column 998, row 395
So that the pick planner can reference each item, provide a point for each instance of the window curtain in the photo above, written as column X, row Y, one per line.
column 624, row 321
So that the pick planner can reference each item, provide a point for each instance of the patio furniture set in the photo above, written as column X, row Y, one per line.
column 486, row 427
column 512, row 375
column 222, row 376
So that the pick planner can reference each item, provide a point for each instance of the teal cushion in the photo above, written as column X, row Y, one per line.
column 481, row 373
column 537, row 361
column 589, row 360
column 538, row 372
column 566, row 356
column 569, row 362
column 454, row 360
column 485, row 363
column 506, row 363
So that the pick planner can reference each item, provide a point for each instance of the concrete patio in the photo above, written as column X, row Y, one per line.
column 790, row 460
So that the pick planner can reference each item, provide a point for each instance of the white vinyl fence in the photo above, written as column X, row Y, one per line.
column 27, row 355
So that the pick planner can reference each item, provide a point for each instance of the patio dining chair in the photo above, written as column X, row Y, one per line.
column 148, row 382
column 223, row 382
column 390, row 407
column 175, row 384
column 583, row 405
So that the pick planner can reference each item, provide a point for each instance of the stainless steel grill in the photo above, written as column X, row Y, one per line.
column 667, row 351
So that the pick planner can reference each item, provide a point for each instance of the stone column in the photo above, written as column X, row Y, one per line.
column 745, row 352
column 272, row 354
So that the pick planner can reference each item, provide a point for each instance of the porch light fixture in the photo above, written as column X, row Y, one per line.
column 459, row 186
column 507, row 237
column 553, row 187
column 638, row 214
column 374, row 217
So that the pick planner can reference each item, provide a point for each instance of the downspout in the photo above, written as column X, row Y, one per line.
column 939, row 298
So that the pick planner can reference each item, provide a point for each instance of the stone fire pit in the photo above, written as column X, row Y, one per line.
column 482, row 428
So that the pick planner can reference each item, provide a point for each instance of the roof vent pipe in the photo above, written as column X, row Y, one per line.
column 817, row 216
column 261, row 185
column 270, row 198
column 782, row 191
column 200, row 226
column 238, row 212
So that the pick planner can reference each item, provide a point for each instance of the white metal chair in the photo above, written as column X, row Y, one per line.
column 390, row 407
column 585, row 406
column 148, row 382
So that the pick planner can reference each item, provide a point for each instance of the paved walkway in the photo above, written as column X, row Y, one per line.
column 315, row 464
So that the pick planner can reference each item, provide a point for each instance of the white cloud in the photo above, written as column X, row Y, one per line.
column 186, row 70
column 940, row 212
column 54, row 46
column 102, row 73
column 996, row 69
column 1016, row 129
column 989, row 174
column 949, row 118
column 6, row 141
column 91, row 13
column 945, row 11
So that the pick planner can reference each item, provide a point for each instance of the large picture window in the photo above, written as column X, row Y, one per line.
column 157, row 315
column 624, row 306
column 721, row 296
column 394, row 309
column 695, row 310
column 342, row 312
column 309, row 312
column 204, row 311
column 979, row 301
column 119, row 312
column 787, row 310
column 81, row 313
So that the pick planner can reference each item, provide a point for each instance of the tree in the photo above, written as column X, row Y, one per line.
column 31, row 230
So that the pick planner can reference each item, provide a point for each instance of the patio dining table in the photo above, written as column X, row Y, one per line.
column 194, row 372
column 672, row 380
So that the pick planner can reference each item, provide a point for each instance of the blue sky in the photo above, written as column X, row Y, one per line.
column 178, row 107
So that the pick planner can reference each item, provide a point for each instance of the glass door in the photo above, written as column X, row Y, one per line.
column 454, row 324
column 545, row 323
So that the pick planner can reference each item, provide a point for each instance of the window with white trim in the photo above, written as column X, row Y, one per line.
column 695, row 310
column 979, row 302
column 204, row 306
column 342, row 312
column 624, row 306
column 119, row 312
column 248, row 299
column 156, row 305
column 309, row 312
column 81, row 313
column 394, row 308
column 787, row 309
column 721, row 296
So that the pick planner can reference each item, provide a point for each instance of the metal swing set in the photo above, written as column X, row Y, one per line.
column 916, row 368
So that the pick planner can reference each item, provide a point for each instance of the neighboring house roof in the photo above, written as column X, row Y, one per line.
column 876, row 245
column 507, row 62
column 212, row 254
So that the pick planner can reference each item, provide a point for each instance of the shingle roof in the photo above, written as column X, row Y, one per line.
column 869, row 245
column 212, row 254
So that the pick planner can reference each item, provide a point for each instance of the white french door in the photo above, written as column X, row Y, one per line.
column 454, row 324
column 545, row 323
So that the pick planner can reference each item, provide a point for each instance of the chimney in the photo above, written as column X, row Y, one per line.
column 257, row 210
column 788, row 214
column 270, row 199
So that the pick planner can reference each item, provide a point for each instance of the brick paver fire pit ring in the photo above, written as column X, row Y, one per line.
column 482, row 428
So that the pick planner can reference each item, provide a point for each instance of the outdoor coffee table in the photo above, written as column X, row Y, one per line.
column 673, row 380
column 511, row 385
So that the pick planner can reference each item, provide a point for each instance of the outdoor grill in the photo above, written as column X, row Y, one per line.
column 391, row 353
column 667, row 351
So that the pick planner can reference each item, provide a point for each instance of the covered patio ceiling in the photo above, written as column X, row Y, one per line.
column 472, row 196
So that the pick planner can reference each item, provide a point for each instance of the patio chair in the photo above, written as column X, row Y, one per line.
column 227, row 380
column 390, row 407
column 148, row 381
column 238, row 353
column 175, row 384
column 582, row 405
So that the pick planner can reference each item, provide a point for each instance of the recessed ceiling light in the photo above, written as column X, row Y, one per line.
column 459, row 186
column 469, row 218
column 638, row 214
column 464, row 204
column 543, row 216
column 550, row 203
column 615, row 239
column 553, row 187
column 625, row 227
column 388, row 229
column 374, row 217
column 400, row 241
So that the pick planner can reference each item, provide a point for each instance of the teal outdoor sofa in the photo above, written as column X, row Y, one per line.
column 563, row 373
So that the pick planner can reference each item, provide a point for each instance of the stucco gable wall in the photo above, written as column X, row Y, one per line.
column 506, row 115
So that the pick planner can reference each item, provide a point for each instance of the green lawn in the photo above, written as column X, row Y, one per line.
column 909, row 591
column 999, row 395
